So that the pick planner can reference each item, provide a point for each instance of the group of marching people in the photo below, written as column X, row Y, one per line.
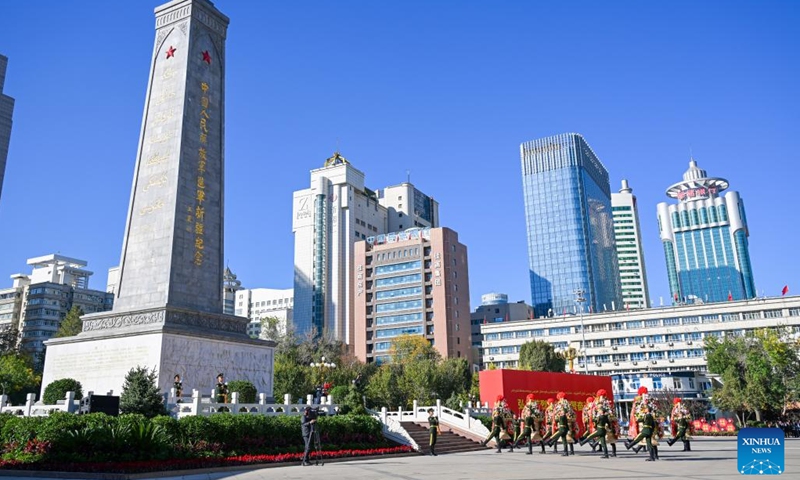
column 558, row 422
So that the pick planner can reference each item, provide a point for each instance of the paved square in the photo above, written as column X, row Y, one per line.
column 710, row 459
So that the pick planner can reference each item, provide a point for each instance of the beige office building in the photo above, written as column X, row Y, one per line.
column 414, row 282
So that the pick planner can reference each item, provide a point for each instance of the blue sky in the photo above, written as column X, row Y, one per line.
column 446, row 89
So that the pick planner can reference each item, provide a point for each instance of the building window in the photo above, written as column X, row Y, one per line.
column 559, row 331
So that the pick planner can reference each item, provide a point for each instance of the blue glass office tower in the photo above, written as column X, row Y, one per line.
column 705, row 240
column 570, row 226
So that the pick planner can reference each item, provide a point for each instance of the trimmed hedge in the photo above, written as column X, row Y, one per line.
column 247, row 391
column 57, row 390
column 97, row 437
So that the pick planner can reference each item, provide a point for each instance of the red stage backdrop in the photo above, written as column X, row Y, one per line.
column 515, row 385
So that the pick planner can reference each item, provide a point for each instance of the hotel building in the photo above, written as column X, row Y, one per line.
column 705, row 240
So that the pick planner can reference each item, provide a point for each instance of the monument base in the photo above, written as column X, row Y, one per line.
column 195, row 345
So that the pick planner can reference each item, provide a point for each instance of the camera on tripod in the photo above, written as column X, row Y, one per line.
column 315, row 412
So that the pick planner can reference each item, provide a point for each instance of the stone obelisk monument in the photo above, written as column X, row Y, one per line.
column 168, row 309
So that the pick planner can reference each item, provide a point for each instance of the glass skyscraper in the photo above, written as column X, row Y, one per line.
column 570, row 226
column 705, row 240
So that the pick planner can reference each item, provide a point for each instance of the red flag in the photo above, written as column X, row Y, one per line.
column 785, row 290
column 565, row 311
column 506, row 316
column 484, row 319
column 730, row 296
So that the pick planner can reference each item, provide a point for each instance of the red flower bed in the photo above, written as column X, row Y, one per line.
column 192, row 463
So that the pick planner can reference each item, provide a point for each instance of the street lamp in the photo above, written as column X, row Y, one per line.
column 322, row 367
column 580, row 300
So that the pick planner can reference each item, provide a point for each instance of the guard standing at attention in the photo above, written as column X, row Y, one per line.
column 433, row 427
column 178, row 386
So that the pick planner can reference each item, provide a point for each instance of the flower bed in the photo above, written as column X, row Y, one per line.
column 97, row 439
column 144, row 466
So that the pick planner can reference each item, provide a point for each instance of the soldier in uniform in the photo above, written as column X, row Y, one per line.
column 498, row 424
column 588, row 422
column 681, row 420
column 433, row 427
column 601, row 418
column 612, row 433
column 532, row 420
column 178, row 386
column 516, row 422
column 222, row 389
column 633, row 424
column 648, row 428
column 548, row 424
column 564, row 415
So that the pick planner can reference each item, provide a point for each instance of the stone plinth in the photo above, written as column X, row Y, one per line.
column 195, row 345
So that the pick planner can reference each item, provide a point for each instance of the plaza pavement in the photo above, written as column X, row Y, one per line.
column 710, row 459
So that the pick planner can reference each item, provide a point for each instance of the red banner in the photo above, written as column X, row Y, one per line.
column 515, row 385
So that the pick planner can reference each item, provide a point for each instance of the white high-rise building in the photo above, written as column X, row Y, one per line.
column 336, row 211
column 258, row 303
column 630, row 253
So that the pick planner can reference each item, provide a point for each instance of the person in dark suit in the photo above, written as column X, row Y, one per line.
column 307, row 426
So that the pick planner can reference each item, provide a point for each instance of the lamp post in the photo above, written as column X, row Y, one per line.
column 322, row 367
column 580, row 300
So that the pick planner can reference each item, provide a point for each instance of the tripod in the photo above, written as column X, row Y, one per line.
column 317, row 446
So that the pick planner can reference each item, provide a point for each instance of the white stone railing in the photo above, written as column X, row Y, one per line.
column 393, row 430
column 33, row 409
column 181, row 407
column 198, row 405
column 462, row 422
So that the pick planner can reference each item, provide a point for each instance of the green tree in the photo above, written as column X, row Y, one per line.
column 71, row 325
column 290, row 377
column 247, row 391
column 9, row 340
column 383, row 387
column 540, row 357
column 57, row 390
column 757, row 373
column 140, row 393
column 407, row 349
column 17, row 377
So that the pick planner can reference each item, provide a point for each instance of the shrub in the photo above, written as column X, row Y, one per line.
column 247, row 391
column 140, row 393
column 57, row 390
column 70, row 438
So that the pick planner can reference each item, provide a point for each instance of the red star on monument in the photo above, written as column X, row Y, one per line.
column 207, row 57
column 171, row 51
